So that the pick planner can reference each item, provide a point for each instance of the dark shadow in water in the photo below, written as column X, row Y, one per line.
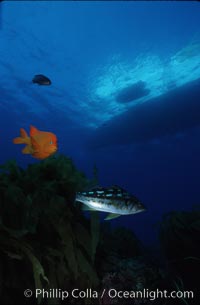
column 132, row 92
column 168, row 114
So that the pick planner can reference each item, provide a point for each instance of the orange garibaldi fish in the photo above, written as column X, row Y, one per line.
column 40, row 144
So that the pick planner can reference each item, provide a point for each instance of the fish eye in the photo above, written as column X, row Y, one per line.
column 51, row 142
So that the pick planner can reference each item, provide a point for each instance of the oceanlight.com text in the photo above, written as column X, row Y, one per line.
column 150, row 294
column 89, row 293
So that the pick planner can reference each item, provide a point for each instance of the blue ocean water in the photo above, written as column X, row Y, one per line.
column 92, row 51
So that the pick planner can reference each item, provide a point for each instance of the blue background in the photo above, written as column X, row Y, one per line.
column 77, row 44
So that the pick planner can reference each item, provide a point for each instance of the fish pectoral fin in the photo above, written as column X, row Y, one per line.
column 86, row 208
column 112, row 216
column 34, row 144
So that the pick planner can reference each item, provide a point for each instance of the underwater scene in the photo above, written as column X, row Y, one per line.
column 100, row 152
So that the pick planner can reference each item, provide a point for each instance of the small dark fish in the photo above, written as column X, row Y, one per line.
column 41, row 80
column 113, row 200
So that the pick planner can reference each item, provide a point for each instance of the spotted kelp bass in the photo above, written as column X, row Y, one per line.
column 114, row 200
